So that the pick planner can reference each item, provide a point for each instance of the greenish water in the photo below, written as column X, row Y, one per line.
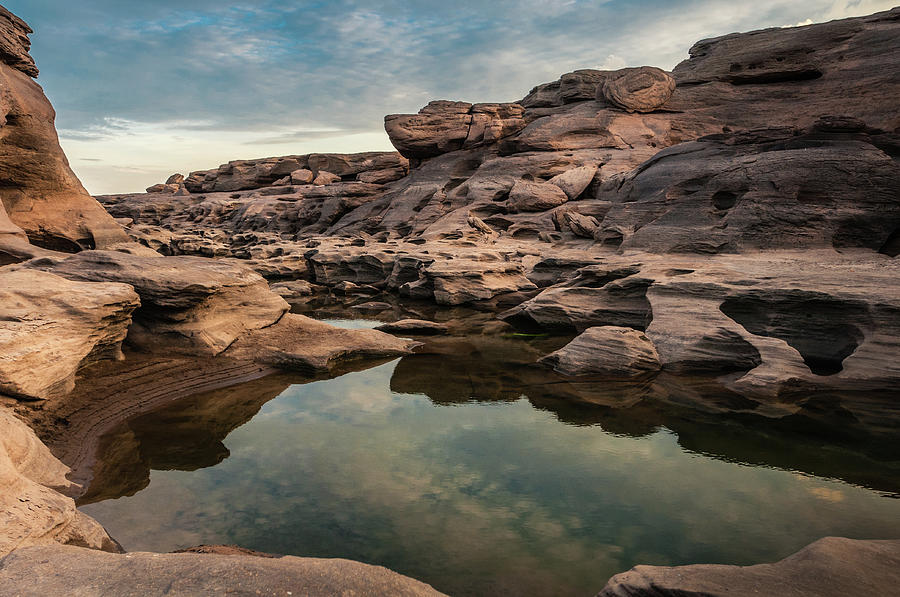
column 509, row 493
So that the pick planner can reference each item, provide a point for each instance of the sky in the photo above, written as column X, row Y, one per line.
column 146, row 88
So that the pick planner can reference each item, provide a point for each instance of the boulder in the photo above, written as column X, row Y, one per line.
column 443, row 126
column 164, row 188
column 830, row 567
column 577, row 86
column 302, row 176
column 175, row 179
column 574, row 182
column 50, row 327
column 608, row 351
column 580, row 225
column 642, row 89
column 324, row 178
column 535, row 196
column 439, row 127
column 414, row 327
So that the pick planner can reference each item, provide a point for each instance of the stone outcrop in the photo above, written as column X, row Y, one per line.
column 752, row 156
column 53, row 570
column 443, row 126
column 32, row 510
column 188, row 304
column 39, row 192
column 606, row 351
column 643, row 89
column 239, row 175
column 51, row 327
column 69, row 303
column 829, row 567
column 734, row 224
column 415, row 327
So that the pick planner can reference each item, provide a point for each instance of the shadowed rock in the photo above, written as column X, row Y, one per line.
column 606, row 350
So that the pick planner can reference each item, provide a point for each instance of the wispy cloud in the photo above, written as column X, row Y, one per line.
column 280, row 73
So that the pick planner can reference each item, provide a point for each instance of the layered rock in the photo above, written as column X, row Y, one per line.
column 239, row 175
column 188, row 304
column 444, row 126
column 39, row 192
column 606, row 350
column 32, row 511
column 198, row 323
column 51, row 327
column 643, row 89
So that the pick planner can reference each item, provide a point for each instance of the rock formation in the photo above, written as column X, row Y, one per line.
column 39, row 192
column 38, row 571
column 77, row 294
column 736, row 221
column 606, row 350
column 829, row 567
column 753, row 177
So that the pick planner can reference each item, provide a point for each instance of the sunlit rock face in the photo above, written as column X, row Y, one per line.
column 39, row 192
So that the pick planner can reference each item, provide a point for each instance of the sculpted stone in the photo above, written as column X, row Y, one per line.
column 573, row 182
column 642, row 89
column 51, row 327
column 324, row 178
column 32, row 511
column 443, row 126
column 40, row 193
column 607, row 350
column 188, row 304
column 14, row 43
column 302, row 176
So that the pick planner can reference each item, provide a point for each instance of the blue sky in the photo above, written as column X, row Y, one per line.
column 146, row 88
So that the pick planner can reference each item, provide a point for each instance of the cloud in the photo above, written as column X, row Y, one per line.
column 271, row 68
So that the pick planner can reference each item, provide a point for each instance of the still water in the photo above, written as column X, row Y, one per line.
column 474, row 490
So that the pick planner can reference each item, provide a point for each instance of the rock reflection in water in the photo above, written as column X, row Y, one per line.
column 471, row 469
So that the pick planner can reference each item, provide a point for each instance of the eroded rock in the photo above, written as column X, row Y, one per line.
column 829, row 567
column 50, row 327
column 607, row 351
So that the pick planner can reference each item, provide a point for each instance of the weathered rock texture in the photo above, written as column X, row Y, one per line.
column 196, row 323
column 32, row 511
column 606, row 350
column 707, row 207
column 830, row 567
column 39, row 571
column 51, row 327
column 739, row 217
column 38, row 190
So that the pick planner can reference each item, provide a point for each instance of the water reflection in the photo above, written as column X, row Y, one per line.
column 471, row 469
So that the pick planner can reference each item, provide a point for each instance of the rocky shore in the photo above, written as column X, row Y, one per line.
column 735, row 221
